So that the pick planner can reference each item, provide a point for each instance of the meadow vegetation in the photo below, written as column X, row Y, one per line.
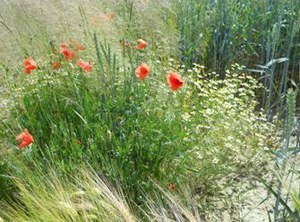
column 149, row 110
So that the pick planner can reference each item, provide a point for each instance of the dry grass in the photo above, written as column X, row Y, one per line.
column 86, row 196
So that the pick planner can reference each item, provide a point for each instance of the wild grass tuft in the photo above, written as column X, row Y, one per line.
column 84, row 196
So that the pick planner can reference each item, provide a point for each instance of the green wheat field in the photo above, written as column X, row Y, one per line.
column 149, row 110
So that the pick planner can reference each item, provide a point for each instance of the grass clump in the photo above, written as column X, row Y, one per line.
column 84, row 196
column 57, row 197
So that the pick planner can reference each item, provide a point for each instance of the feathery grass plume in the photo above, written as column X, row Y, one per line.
column 63, row 197
column 86, row 196
column 166, row 206
column 32, row 23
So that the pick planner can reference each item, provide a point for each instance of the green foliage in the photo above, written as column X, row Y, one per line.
column 253, row 33
column 6, row 182
column 290, row 115
column 134, row 131
column 107, row 118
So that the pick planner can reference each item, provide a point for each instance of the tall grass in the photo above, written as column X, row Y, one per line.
column 86, row 196
column 253, row 33
column 285, row 177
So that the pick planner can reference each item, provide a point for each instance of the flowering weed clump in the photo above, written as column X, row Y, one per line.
column 136, row 131
column 227, row 137
column 102, row 116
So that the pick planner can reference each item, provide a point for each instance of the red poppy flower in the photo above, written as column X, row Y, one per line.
column 24, row 138
column 68, row 54
column 174, row 81
column 142, row 71
column 29, row 65
column 86, row 66
column 142, row 44
column 56, row 65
